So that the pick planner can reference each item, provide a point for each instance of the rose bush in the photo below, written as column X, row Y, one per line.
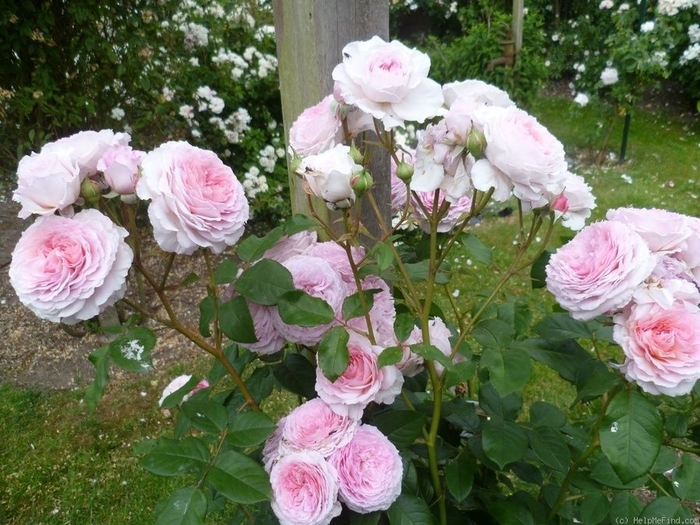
column 409, row 396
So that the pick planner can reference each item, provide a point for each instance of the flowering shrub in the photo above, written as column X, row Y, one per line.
column 408, row 412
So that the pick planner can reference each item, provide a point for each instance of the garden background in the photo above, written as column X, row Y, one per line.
column 206, row 72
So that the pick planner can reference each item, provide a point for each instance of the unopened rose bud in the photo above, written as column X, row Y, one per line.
column 294, row 163
column 404, row 171
column 476, row 143
column 356, row 154
column 361, row 182
column 560, row 204
column 90, row 191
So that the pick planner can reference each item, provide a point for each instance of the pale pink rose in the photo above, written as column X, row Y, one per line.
column 382, row 314
column 69, row 270
column 575, row 203
column 46, row 182
column 336, row 255
column 269, row 339
column 315, row 426
column 318, row 278
column 361, row 383
column 304, row 489
column 86, row 148
column 317, row 129
column 475, row 93
column 289, row 246
column 271, row 449
column 670, row 281
column 387, row 80
column 661, row 345
column 411, row 364
column 196, row 200
column 175, row 385
column 455, row 211
column 328, row 176
column 523, row 151
column 120, row 168
column 370, row 471
column 598, row 270
column 664, row 232
column 439, row 337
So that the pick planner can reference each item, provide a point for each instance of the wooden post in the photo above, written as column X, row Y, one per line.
column 518, row 10
column 310, row 37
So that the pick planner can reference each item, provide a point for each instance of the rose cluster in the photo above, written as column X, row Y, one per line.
column 642, row 267
column 476, row 139
column 318, row 459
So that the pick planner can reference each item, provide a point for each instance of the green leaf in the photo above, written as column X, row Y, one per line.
column 226, row 272
column 664, row 508
column 420, row 271
column 676, row 425
column 550, row 447
column 603, row 473
column 460, row 373
column 432, row 353
column 299, row 308
column 333, row 355
column 264, row 282
column 459, row 475
column 492, row 333
column 510, row 513
column 175, row 398
column 403, row 326
column 132, row 351
column 624, row 507
column 410, row 510
column 297, row 375
column 503, row 441
column 170, row 457
column 206, row 415
column 299, row 222
column 239, row 478
column 508, row 370
column 236, row 322
column 96, row 389
column 543, row 414
column 206, row 315
column 561, row 326
column 631, row 434
column 390, row 356
column 352, row 305
column 402, row 427
column 371, row 518
column 594, row 380
column 506, row 407
column 566, row 357
column 594, row 508
column 384, row 255
column 477, row 249
column 686, row 479
column 538, row 274
column 252, row 248
column 516, row 314
column 187, row 506
column 250, row 428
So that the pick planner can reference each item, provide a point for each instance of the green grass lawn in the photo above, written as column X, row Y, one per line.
column 59, row 466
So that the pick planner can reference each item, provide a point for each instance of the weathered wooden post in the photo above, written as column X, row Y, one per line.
column 310, row 38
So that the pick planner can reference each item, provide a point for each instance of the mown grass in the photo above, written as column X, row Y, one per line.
column 59, row 466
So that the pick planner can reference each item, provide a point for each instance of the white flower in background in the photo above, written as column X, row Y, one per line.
column 609, row 76
column 118, row 113
column 216, row 105
column 623, row 8
column 268, row 158
column 660, row 58
column 196, row 35
column 168, row 93
column 194, row 61
column 606, row 4
column 555, row 37
column 187, row 112
column 581, row 99
column 672, row 7
column 689, row 54
column 647, row 26
column 196, row 133
column 694, row 33
column 254, row 183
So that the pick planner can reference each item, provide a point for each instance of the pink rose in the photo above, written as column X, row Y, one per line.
column 387, row 80
column 382, row 314
column 304, row 490
column 287, row 247
column 317, row 129
column 328, row 175
column 335, row 254
column 86, row 148
column 598, row 270
column 196, row 200
column 46, row 182
column 370, row 471
column 314, row 426
column 455, row 212
column 575, row 203
column 670, row 281
column 663, row 231
column 475, row 93
column 69, row 270
column 521, row 151
column 175, row 385
column 361, row 383
column 269, row 339
column 439, row 337
column 661, row 345
column 271, row 450
column 318, row 278
column 120, row 167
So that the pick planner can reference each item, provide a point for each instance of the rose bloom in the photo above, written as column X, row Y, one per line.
column 663, row 231
column 609, row 76
column 289, row 246
column 335, row 254
column 304, row 489
column 271, row 449
column 175, row 385
column 46, row 182
column 314, row 426
column 456, row 211
column 328, row 175
column 120, row 168
column 69, row 270
column 661, row 345
column 86, row 148
column 361, row 383
column 476, row 93
column 598, row 270
column 269, row 339
column 387, row 80
column 382, row 314
column 317, row 129
column 318, row 278
column 575, row 203
column 370, row 471
column 670, row 281
column 439, row 337
column 523, row 151
column 196, row 200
